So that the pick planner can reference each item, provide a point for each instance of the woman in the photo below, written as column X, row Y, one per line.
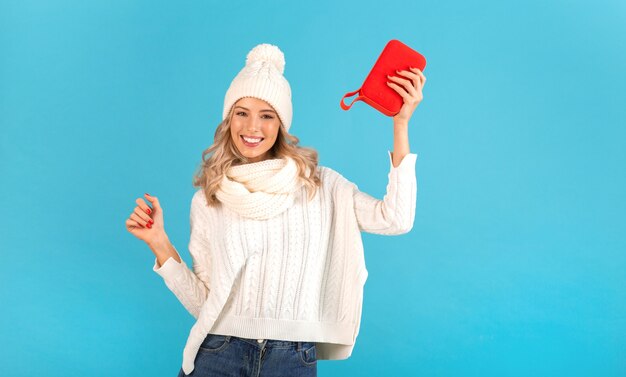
column 278, row 266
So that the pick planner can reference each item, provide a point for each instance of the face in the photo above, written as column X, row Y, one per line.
column 254, row 127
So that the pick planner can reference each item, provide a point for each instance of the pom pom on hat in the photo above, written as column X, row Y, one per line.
column 267, row 53
column 262, row 78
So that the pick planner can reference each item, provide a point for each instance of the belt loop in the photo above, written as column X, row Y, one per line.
column 298, row 346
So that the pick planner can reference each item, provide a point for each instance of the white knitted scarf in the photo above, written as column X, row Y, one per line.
column 260, row 190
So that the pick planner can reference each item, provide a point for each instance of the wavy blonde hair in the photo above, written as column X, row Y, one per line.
column 223, row 154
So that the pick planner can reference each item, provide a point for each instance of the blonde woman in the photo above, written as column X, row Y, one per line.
column 278, row 270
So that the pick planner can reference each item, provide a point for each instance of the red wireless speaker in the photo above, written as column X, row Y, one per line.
column 375, row 91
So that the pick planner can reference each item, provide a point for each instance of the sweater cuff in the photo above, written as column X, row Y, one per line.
column 406, row 166
column 171, row 269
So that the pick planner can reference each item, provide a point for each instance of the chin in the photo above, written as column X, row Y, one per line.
column 255, row 155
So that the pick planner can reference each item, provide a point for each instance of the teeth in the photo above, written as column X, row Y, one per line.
column 249, row 140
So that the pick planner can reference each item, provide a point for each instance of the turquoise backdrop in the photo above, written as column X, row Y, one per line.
column 516, row 262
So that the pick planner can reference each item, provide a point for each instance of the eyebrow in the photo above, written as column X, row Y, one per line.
column 259, row 111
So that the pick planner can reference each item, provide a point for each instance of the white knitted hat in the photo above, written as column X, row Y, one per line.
column 262, row 78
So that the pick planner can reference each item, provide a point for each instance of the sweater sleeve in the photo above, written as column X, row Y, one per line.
column 191, row 287
column 395, row 213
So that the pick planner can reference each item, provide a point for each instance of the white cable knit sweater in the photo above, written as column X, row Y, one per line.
column 296, row 276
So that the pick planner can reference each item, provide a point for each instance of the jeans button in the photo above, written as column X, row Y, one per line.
column 260, row 340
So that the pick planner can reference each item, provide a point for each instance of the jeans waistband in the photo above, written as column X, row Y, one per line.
column 274, row 343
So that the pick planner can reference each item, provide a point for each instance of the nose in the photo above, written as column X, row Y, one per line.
column 253, row 125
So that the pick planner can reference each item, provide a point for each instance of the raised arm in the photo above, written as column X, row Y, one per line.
column 190, row 287
column 395, row 213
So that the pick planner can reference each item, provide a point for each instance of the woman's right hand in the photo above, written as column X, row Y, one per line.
column 146, row 223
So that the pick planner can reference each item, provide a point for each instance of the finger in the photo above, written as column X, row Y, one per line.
column 142, row 214
column 419, row 86
column 408, row 85
column 413, row 98
column 400, row 91
column 155, row 202
column 139, row 220
column 415, row 78
column 142, row 204
column 132, row 224
column 421, row 74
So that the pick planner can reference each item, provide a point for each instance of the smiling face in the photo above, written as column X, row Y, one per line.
column 254, row 128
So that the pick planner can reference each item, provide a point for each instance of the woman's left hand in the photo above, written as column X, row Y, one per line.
column 410, row 90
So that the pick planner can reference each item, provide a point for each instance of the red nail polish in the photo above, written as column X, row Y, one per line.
column 148, row 211
column 147, row 194
column 149, row 225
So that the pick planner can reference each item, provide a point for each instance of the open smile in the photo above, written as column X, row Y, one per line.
column 251, row 141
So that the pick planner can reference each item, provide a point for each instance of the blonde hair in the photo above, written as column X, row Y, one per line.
column 223, row 154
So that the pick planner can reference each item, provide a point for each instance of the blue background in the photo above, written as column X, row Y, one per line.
column 516, row 262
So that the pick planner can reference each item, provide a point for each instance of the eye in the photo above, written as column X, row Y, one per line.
column 269, row 117
column 240, row 112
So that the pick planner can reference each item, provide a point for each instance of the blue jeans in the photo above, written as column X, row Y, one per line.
column 226, row 356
